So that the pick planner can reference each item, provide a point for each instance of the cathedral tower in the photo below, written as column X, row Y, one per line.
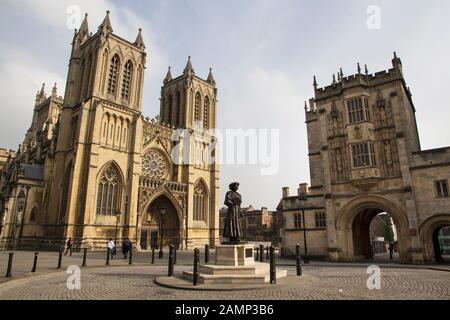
column 99, row 137
column 188, row 103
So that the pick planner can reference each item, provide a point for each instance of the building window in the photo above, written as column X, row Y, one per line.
column 197, row 107
column 74, row 130
column 33, row 215
column 358, row 110
column 169, row 109
column 178, row 116
column 126, row 81
column 297, row 220
column 321, row 221
column 441, row 188
column 65, row 193
column 200, row 202
column 109, row 191
column 113, row 74
column 363, row 155
column 206, row 112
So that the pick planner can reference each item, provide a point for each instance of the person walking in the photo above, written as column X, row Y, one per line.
column 391, row 250
column 69, row 244
column 130, row 244
column 112, row 248
column 125, row 248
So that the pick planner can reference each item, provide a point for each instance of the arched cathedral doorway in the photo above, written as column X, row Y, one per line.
column 160, row 222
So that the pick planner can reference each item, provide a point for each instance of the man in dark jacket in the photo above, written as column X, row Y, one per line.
column 125, row 247
column 69, row 246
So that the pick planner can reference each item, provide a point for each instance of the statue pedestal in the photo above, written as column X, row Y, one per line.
column 235, row 255
column 235, row 264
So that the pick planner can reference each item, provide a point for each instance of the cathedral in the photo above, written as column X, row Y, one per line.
column 365, row 159
column 92, row 167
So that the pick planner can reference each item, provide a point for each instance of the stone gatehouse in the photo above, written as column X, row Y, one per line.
column 365, row 158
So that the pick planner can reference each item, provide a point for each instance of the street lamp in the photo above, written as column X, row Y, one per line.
column 162, row 212
column 117, row 224
column 305, row 259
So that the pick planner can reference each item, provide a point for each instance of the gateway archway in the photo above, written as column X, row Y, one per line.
column 160, row 220
column 441, row 244
column 373, row 232
column 435, row 237
column 353, row 228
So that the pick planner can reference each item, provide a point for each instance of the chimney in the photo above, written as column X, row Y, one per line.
column 285, row 192
column 303, row 189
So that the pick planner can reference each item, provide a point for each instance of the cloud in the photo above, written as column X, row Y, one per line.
column 20, row 78
column 55, row 15
column 267, row 98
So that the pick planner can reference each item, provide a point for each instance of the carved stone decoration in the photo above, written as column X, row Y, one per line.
column 339, row 164
column 358, row 132
column 388, row 153
column 148, row 187
column 383, row 117
column 154, row 165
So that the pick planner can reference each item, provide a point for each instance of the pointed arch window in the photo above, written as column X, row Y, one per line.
column 126, row 80
column 200, row 202
column 113, row 74
column 178, row 115
column 197, row 107
column 109, row 191
column 169, row 109
column 33, row 215
column 65, row 193
column 206, row 113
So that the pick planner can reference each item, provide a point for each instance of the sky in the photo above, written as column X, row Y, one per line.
column 264, row 54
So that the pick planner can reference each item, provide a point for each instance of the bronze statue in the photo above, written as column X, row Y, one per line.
column 232, row 229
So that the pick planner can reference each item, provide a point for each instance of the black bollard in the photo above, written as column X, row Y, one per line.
column 257, row 254
column 195, row 275
column 108, row 253
column 261, row 253
column 59, row 260
column 84, row 257
column 273, row 268
column 10, row 261
column 153, row 256
column 267, row 253
column 298, row 260
column 35, row 262
column 130, row 259
column 206, row 253
column 171, row 260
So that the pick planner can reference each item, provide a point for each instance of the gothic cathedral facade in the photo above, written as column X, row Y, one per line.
column 92, row 167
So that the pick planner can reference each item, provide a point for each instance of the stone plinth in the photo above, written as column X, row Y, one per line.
column 235, row 264
column 235, row 255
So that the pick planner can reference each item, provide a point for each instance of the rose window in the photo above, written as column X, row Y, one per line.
column 154, row 165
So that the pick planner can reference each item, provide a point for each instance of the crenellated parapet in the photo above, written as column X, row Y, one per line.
column 359, row 79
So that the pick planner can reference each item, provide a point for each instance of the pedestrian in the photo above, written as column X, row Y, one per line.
column 112, row 248
column 125, row 248
column 391, row 250
column 130, row 244
column 69, row 244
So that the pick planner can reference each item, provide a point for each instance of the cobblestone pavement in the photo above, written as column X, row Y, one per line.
column 137, row 282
